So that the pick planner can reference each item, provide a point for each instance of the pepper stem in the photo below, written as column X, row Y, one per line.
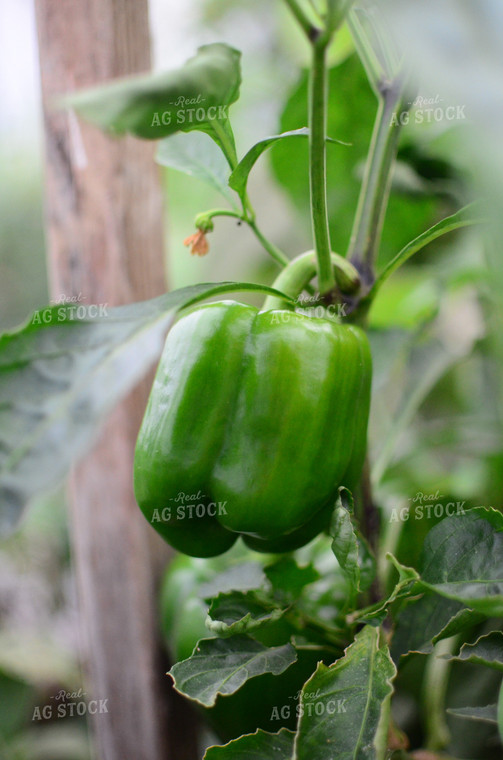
column 300, row 271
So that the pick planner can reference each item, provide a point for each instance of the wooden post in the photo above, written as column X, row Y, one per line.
column 105, row 245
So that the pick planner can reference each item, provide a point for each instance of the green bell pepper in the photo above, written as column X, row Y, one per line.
column 254, row 421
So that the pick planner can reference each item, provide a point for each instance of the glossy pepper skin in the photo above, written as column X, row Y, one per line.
column 262, row 416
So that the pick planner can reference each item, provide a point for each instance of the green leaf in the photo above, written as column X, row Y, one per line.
column 466, row 217
column 463, row 560
column 240, row 577
column 487, row 650
column 345, row 707
column 59, row 376
column 345, row 546
column 407, row 578
column 195, row 96
column 487, row 714
column 222, row 666
column 350, row 548
column 463, row 567
column 431, row 618
column 288, row 579
column 239, row 177
column 258, row 746
column 198, row 156
column 237, row 612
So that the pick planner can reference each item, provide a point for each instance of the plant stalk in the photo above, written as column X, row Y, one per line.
column 436, row 680
column 301, row 17
column 373, row 200
column 369, row 517
column 318, row 92
column 369, row 522
column 271, row 249
column 336, row 13
column 203, row 221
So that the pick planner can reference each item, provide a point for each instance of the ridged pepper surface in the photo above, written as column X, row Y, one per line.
column 253, row 422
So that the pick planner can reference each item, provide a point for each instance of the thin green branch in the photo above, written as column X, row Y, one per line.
column 318, row 91
column 381, row 61
column 365, row 51
column 369, row 518
column 271, row 249
column 204, row 222
column 436, row 680
column 374, row 193
column 309, row 29
column 320, row 39
column 375, row 46
column 337, row 11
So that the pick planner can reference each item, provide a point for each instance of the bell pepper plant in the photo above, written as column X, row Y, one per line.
column 314, row 631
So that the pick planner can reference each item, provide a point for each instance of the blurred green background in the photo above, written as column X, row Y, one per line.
column 435, row 330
